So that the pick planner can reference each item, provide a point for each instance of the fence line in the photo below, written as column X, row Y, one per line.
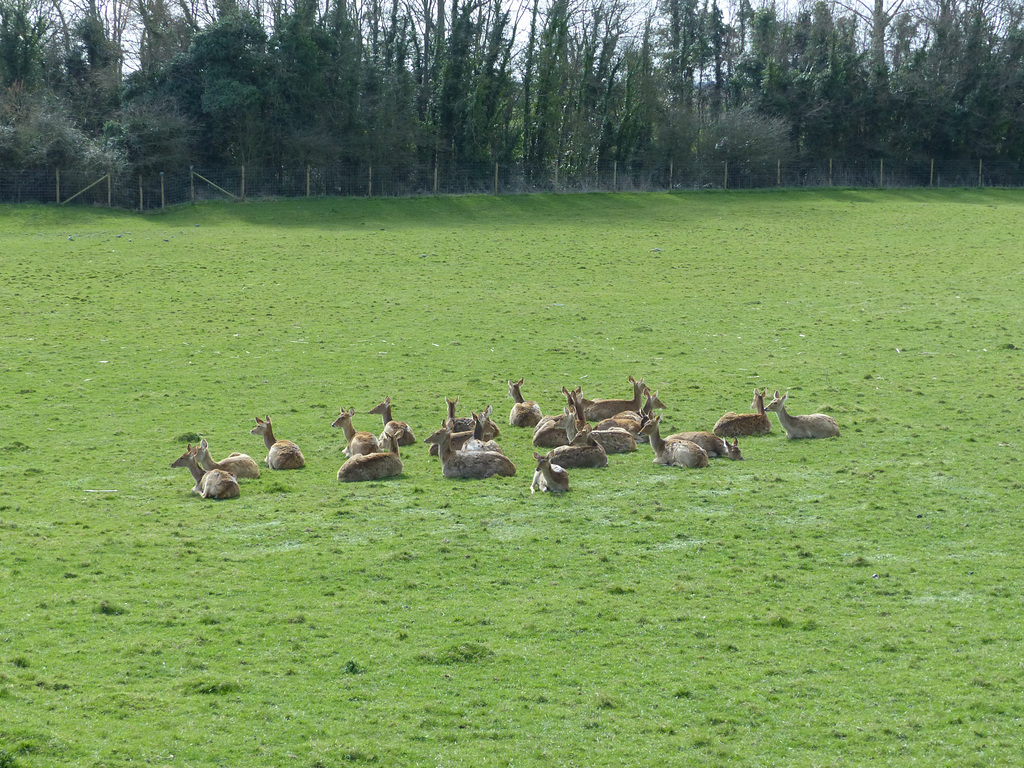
column 382, row 179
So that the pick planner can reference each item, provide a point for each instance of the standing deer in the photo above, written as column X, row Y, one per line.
column 745, row 424
column 215, row 484
column 812, row 425
column 281, row 454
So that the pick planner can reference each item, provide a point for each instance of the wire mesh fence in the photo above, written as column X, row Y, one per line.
column 383, row 179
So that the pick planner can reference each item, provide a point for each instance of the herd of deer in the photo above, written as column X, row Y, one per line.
column 581, row 436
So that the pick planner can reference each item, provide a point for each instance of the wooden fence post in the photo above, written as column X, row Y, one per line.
column 58, row 186
column 615, row 175
column 979, row 172
column 162, row 199
column 778, row 173
column 931, row 175
column 109, row 196
column 671, row 171
column 881, row 173
column 242, row 190
column 140, row 192
column 830, row 171
column 726, row 183
column 192, row 183
column 369, row 191
column 307, row 181
column 556, row 175
column 495, row 179
column 435, row 177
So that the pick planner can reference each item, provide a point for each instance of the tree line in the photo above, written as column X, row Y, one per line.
column 142, row 86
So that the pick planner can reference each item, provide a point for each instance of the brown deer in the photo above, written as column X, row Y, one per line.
column 374, row 466
column 469, row 465
column 281, row 454
column 461, row 423
column 812, row 425
column 599, row 410
column 745, row 424
column 584, row 452
column 240, row 465
column 384, row 411
column 673, row 453
column 550, row 431
column 215, row 484
column 524, row 413
column 713, row 445
column 357, row 443
column 548, row 477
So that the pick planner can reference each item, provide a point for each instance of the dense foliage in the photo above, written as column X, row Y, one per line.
column 580, row 84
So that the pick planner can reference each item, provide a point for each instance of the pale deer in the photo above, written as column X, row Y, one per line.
column 281, row 454
column 241, row 465
column 713, row 445
column 583, row 452
column 745, row 424
column 811, row 425
column 477, row 443
column 374, row 466
column 548, row 477
column 673, row 453
column 524, row 413
column 215, row 484
column 469, row 465
column 356, row 443
column 384, row 411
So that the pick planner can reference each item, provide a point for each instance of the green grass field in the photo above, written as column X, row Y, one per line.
column 823, row 603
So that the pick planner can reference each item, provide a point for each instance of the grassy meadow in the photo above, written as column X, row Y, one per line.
column 829, row 603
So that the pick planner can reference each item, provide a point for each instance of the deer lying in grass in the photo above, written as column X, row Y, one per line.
column 812, row 425
column 461, row 423
column 357, row 443
column 524, row 413
column 599, row 410
column 550, row 431
column 469, row 465
column 215, row 484
column 281, row 454
column 384, row 411
column 673, row 453
column 548, row 477
column 374, row 466
column 240, row 465
column 480, row 428
column 713, row 445
column 584, row 452
column 612, row 437
column 745, row 424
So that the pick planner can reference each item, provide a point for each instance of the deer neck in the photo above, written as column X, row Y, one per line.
column 193, row 466
column 348, row 429
column 657, row 443
column 204, row 460
column 268, row 436
column 517, row 396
